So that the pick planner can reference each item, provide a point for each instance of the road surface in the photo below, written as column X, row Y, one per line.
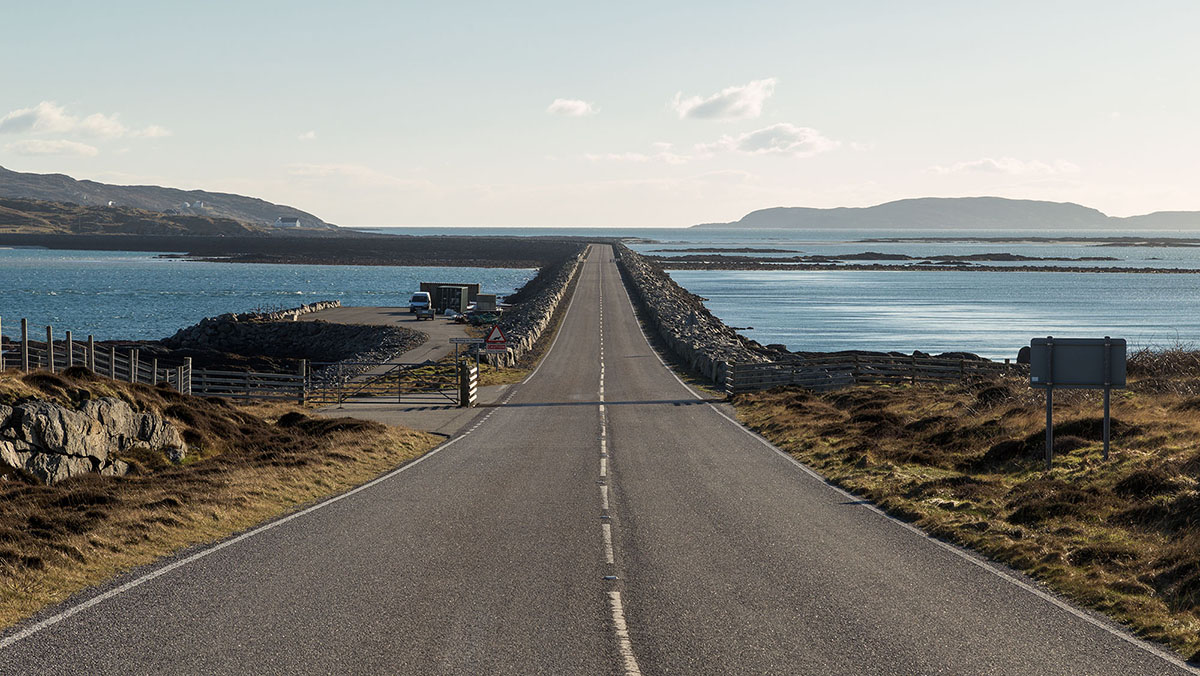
column 439, row 329
column 601, row 520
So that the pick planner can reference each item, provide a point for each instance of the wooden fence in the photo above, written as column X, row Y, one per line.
column 840, row 371
column 125, row 364
column 316, row 383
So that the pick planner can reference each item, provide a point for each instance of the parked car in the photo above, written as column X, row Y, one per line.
column 420, row 300
column 424, row 313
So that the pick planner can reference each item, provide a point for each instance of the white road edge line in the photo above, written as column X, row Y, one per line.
column 983, row 564
column 624, row 645
column 133, row 584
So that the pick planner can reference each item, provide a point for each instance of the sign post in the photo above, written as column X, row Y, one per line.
column 464, row 341
column 496, row 342
column 1076, row 363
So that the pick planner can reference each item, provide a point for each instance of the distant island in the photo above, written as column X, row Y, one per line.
column 165, row 205
column 960, row 213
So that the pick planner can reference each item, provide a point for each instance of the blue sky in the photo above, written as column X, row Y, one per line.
column 667, row 113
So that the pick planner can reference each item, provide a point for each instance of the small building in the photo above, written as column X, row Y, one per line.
column 287, row 222
column 472, row 289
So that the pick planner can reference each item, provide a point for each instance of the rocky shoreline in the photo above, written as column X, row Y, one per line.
column 702, row 341
column 534, row 307
column 276, row 342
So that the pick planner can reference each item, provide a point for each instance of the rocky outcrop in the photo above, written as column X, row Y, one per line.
column 315, row 340
column 52, row 442
column 703, row 342
column 535, row 305
column 190, row 336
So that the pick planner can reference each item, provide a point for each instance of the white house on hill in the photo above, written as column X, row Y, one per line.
column 287, row 222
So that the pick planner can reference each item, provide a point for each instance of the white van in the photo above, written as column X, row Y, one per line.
column 420, row 300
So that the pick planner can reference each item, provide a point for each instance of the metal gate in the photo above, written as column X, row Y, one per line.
column 382, row 382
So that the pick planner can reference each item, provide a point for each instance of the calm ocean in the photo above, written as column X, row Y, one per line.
column 989, row 313
column 136, row 295
column 139, row 296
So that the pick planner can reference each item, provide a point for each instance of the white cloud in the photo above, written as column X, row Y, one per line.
column 309, row 135
column 44, row 117
column 1010, row 166
column 101, row 125
column 153, row 131
column 48, row 117
column 663, row 154
column 777, row 139
column 571, row 108
column 731, row 103
column 60, row 147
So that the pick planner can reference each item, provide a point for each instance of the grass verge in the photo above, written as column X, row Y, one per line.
column 246, row 465
column 965, row 463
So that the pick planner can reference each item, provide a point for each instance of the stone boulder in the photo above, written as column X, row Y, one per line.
column 53, row 442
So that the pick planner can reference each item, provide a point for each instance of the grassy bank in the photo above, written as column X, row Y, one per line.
column 965, row 463
column 246, row 464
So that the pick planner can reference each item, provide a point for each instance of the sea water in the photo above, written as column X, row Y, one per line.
column 988, row 313
column 139, row 295
column 120, row 295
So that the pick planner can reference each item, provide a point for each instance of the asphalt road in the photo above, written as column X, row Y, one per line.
column 439, row 329
column 599, row 520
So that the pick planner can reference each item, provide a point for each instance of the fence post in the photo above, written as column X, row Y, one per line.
column 179, row 379
column 303, row 380
column 132, row 365
column 154, row 371
column 112, row 362
column 50, row 348
column 187, row 362
column 1, row 346
column 70, row 350
column 91, row 353
column 912, row 374
column 24, row 344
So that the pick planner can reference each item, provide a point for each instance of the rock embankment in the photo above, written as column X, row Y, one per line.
column 289, row 314
column 53, row 442
column 535, row 305
column 689, row 330
column 215, row 341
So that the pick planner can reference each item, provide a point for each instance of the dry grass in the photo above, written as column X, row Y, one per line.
column 247, row 464
column 966, row 464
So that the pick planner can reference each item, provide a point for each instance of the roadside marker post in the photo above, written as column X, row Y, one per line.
column 1076, row 363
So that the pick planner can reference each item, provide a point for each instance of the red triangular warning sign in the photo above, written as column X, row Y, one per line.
column 496, row 336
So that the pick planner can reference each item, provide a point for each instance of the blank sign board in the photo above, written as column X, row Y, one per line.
column 1077, row 363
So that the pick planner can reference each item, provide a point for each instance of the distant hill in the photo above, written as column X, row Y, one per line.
column 60, row 218
column 959, row 213
column 171, row 201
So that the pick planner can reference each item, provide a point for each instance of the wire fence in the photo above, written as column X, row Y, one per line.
column 824, row 373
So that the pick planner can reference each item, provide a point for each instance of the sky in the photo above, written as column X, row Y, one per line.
column 609, row 114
